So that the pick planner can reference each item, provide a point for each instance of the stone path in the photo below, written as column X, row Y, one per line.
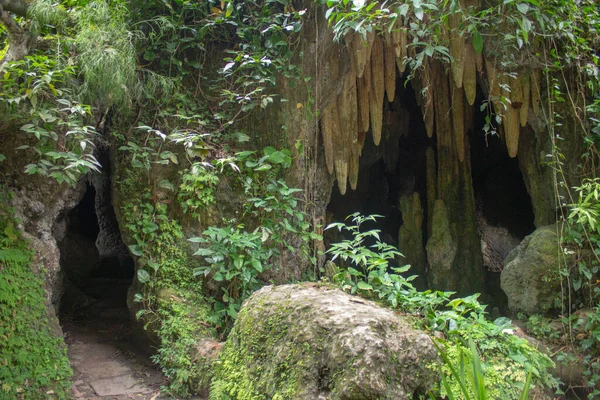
column 106, row 363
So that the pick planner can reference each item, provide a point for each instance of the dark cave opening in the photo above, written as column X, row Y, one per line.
column 97, row 268
column 504, row 210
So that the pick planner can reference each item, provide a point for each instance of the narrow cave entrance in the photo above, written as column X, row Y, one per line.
column 504, row 210
column 97, row 267
column 389, row 175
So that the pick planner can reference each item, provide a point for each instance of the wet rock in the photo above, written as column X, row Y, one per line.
column 312, row 342
column 530, row 278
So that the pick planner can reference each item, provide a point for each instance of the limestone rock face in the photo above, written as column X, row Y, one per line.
column 410, row 236
column 441, row 249
column 311, row 342
column 528, row 277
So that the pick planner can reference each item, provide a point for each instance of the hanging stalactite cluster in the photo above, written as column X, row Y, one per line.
column 374, row 61
column 359, row 107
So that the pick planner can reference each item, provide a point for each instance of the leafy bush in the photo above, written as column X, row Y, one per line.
column 237, row 253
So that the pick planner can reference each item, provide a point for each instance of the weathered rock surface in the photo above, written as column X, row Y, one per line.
column 528, row 277
column 311, row 342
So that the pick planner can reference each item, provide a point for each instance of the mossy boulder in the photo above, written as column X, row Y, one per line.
column 530, row 275
column 313, row 342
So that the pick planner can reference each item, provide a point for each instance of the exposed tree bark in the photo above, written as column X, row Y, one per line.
column 18, row 38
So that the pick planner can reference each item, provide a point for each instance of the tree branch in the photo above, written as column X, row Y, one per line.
column 17, row 7
column 18, row 38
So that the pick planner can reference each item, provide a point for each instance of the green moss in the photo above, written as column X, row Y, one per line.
column 33, row 358
column 245, row 370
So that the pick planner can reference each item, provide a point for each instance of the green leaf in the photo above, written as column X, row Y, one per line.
column 154, row 265
column 477, row 41
column 218, row 277
column 149, row 227
column 523, row 8
column 364, row 286
column 135, row 249
column 143, row 276
column 164, row 184
column 257, row 265
column 204, row 252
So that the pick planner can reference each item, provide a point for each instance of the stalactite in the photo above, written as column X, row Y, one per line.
column 536, row 91
column 341, row 173
column 377, row 90
column 526, row 88
column 441, row 102
column 431, row 182
column 353, row 43
column 348, row 114
column 469, row 117
column 470, row 73
column 353, row 167
column 427, row 100
column 494, row 84
column 479, row 62
column 330, row 126
column 359, row 51
column 458, row 121
column 364, row 87
column 348, row 133
column 500, row 130
column 511, row 118
column 457, row 48
column 447, row 158
column 390, row 67
column 400, row 39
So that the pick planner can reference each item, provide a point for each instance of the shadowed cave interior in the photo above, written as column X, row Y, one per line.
column 397, row 168
column 97, row 268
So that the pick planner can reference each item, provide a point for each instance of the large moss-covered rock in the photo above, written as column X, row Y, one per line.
column 312, row 342
column 529, row 277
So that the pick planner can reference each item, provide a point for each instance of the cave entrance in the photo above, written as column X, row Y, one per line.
column 97, row 267
column 504, row 210
column 392, row 182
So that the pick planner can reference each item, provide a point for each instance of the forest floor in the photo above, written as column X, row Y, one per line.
column 107, row 364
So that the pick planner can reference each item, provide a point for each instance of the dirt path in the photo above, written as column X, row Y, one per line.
column 106, row 363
